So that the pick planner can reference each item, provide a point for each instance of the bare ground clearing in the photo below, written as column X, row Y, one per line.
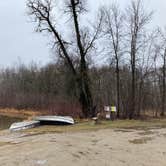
column 105, row 147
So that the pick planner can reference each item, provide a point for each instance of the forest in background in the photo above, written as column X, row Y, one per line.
column 133, row 80
column 53, row 89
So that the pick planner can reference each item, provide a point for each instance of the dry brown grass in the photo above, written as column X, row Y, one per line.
column 26, row 114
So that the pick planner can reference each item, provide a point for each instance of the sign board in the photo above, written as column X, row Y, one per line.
column 113, row 109
column 107, row 108
column 108, row 116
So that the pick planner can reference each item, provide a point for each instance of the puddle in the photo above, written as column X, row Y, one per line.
column 41, row 162
column 123, row 130
column 76, row 156
column 147, row 132
column 143, row 128
column 83, row 153
column 95, row 141
column 143, row 140
column 6, row 121
column 164, row 134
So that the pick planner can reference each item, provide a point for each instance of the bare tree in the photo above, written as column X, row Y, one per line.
column 136, row 20
column 114, row 34
column 162, row 52
column 163, row 83
column 43, row 13
column 146, row 65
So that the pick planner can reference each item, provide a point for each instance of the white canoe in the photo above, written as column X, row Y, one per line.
column 24, row 125
column 55, row 119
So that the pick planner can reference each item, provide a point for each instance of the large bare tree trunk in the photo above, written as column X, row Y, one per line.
column 163, row 85
column 85, row 92
column 85, row 95
column 132, row 108
column 140, row 96
column 118, row 88
column 42, row 12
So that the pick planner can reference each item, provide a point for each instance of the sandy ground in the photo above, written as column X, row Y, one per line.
column 98, row 148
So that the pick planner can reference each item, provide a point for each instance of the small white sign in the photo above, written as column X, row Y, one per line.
column 108, row 116
column 107, row 108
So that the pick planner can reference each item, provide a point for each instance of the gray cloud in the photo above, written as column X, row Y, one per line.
column 17, row 38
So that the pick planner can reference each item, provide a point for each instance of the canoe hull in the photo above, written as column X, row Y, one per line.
column 24, row 125
column 57, row 120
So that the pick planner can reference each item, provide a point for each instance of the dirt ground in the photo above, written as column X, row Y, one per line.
column 107, row 147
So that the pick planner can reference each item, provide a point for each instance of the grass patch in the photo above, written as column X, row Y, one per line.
column 23, row 114
column 123, row 130
column 164, row 135
column 4, row 143
column 7, row 143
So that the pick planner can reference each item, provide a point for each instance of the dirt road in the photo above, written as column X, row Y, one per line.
column 98, row 148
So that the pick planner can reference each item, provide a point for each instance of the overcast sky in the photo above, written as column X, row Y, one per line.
column 19, row 42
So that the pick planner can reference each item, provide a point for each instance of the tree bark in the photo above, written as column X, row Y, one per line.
column 164, row 85
column 84, row 83
column 133, row 54
column 118, row 88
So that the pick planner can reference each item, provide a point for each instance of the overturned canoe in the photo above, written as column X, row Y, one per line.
column 24, row 125
column 58, row 120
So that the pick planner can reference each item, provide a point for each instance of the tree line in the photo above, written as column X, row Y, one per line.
column 133, row 80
